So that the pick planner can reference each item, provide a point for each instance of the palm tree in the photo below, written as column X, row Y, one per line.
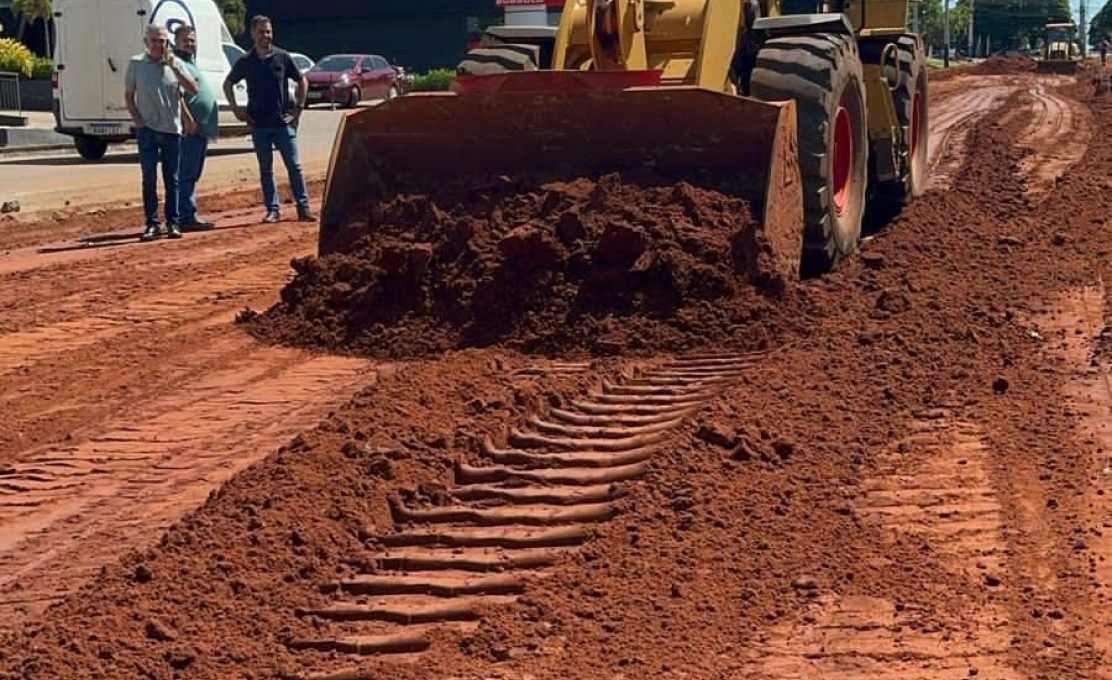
column 31, row 11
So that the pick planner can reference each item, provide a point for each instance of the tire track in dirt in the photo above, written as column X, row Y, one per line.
column 1081, row 323
column 62, row 508
column 481, row 544
column 937, row 486
column 38, row 288
column 1056, row 137
column 952, row 117
column 132, row 323
column 127, row 400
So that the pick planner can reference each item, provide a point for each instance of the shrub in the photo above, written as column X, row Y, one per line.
column 42, row 68
column 436, row 80
column 14, row 56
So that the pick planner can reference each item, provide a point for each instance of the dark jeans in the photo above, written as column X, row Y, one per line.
column 285, row 140
column 193, row 150
column 154, row 148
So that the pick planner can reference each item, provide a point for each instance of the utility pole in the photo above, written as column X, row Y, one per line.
column 946, row 33
column 1082, row 32
column 915, row 17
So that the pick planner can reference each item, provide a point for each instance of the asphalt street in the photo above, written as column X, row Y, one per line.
column 56, row 180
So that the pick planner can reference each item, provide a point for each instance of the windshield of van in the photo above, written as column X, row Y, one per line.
column 335, row 64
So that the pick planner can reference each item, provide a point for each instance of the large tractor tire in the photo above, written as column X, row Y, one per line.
column 822, row 74
column 502, row 58
column 912, row 109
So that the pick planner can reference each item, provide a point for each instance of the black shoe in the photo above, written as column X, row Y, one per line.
column 306, row 215
column 272, row 217
column 173, row 232
column 151, row 233
column 197, row 225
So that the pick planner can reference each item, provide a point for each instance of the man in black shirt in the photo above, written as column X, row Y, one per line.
column 272, row 116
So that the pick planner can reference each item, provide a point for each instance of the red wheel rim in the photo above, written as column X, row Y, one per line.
column 915, row 123
column 843, row 159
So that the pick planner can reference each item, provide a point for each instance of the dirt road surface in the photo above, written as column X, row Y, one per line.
column 911, row 483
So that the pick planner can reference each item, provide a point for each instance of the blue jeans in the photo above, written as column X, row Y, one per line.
column 154, row 148
column 285, row 140
column 193, row 150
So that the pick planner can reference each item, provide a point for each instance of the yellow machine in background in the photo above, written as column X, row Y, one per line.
column 813, row 116
column 1060, row 53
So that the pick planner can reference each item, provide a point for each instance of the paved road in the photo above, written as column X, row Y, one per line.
column 52, row 181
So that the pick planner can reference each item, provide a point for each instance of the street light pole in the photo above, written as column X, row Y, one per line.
column 946, row 33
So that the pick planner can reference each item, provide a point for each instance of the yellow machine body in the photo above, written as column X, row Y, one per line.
column 686, row 118
column 1059, row 54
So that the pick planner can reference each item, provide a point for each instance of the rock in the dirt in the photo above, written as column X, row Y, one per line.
column 893, row 302
column 744, row 450
column 872, row 260
column 160, row 631
column 9, row 207
column 528, row 247
column 380, row 467
column 1000, row 385
column 805, row 583
column 621, row 244
column 1006, row 240
column 783, row 448
column 1059, row 239
column 716, row 435
column 181, row 659
column 142, row 574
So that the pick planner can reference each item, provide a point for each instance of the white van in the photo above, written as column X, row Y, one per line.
column 96, row 38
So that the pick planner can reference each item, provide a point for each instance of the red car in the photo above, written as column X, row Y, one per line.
column 347, row 79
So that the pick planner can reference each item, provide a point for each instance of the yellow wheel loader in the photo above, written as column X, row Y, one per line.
column 812, row 116
column 1060, row 53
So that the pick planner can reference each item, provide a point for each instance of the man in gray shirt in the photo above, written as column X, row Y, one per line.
column 152, row 91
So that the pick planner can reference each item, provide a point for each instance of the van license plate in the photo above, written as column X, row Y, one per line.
column 315, row 95
column 105, row 129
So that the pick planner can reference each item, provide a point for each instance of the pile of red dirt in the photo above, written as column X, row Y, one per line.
column 605, row 266
column 1000, row 65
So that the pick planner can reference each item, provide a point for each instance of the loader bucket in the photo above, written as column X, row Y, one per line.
column 1060, row 66
column 562, row 125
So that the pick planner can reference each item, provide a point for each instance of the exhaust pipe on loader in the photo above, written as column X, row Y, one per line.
column 555, row 125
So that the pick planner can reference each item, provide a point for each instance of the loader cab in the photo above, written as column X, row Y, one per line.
column 1059, row 42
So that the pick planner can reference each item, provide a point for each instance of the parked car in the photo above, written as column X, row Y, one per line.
column 347, row 79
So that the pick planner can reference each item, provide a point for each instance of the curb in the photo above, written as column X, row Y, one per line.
column 29, row 149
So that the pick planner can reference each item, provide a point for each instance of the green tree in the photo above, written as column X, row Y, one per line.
column 235, row 15
column 31, row 11
column 932, row 21
column 1017, row 23
column 1101, row 25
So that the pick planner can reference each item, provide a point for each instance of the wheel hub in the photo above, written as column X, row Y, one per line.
column 843, row 159
column 916, row 122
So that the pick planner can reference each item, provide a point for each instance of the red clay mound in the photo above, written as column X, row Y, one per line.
column 602, row 266
column 1000, row 65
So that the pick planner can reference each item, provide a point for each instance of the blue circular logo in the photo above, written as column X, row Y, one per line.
column 173, row 14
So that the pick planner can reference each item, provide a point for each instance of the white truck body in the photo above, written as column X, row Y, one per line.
column 97, row 38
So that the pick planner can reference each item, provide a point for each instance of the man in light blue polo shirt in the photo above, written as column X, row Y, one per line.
column 152, row 92
column 202, row 123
